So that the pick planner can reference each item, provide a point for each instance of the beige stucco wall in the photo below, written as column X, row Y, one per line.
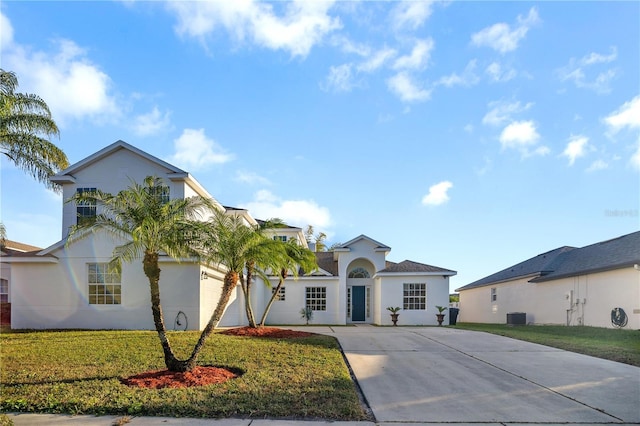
column 582, row 300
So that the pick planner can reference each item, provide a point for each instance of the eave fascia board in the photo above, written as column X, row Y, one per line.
column 534, row 275
column 413, row 274
column 30, row 259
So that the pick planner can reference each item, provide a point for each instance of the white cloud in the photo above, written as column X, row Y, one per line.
column 498, row 74
column 576, row 147
column 301, row 213
column 627, row 116
column 151, row 123
column 501, row 37
column 467, row 78
column 411, row 14
column 418, row 58
column 522, row 135
column 340, row 79
column 598, row 165
column 6, row 32
column 577, row 70
column 195, row 151
column 406, row 89
column 302, row 24
column 377, row 60
column 502, row 111
column 346, row 45
column 72, row 86
column 437, row 194
column 251, row 178
column 635, row 157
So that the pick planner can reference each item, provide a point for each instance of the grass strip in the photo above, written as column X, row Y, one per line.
column 618, row 345
column 79, row 372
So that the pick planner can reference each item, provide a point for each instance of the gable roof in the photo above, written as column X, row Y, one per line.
column 570, row 261
column 379, row 246
column 408, row 266
column 174, row 173
column 66, row 175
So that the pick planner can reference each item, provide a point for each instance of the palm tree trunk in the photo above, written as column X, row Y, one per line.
column 230, row 283
column 273, row 298
column 246, row 288
column 152, row 271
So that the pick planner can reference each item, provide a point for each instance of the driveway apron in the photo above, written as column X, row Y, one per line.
column 438, row 374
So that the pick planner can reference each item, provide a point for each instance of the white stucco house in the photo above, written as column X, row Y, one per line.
column 69, row 286
column 597, row 285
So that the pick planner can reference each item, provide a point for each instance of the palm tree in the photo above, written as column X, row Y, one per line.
column 151, row 225
column 250, row 252
column 296, row 257
column 25, row 128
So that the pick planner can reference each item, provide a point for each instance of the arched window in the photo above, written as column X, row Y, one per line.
column 359, row 273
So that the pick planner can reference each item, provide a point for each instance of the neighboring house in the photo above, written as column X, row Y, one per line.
column 10, row 249
column 69, row 286
column 568, row 285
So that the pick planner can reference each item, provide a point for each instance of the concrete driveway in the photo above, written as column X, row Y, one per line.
column 434, row 374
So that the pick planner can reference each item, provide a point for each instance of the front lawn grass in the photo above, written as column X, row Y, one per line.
column 79, row 372
column 619, row 345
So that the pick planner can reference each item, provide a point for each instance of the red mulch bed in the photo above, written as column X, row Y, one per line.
column 272, row 332
column 199, row 376
column 203, row 376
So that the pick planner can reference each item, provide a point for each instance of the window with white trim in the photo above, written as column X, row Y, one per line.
column 494, row 294
column 281, row 294
column 282, row 238
column 160, row 192
column 316, row 298
column 4, row 290
column 415, row 296
column 104, row 285
column 85, row 210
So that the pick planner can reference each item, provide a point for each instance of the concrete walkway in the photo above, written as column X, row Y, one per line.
column 433, row 375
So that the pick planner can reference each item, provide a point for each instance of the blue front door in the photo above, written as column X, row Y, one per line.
column 358, row 303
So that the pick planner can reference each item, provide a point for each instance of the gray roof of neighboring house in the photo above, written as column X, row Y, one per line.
column 616, row 253
column 326, row 262
column 570, row 261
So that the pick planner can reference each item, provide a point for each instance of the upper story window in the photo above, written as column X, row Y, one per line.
column 359, row 273
column 160, row 192
column 86, row 210
column 282, row 238
column 494, row 294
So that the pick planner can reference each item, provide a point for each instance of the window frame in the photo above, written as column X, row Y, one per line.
column 281, row 296
column 414, row 296
column 4, row 290
column 494, row 294
column 104, row 286
column 86, row 211
column 316, row 298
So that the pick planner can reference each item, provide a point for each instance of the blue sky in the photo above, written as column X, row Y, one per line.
column 467, row 135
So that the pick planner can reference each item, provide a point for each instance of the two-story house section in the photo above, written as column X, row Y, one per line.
column 70, row 286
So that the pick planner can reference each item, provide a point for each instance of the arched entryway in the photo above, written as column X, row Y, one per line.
column 360, row 291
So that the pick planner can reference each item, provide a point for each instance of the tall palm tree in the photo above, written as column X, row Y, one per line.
column 150, row 224
column 25, row 128
column 295, row 257
column 246, row 250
